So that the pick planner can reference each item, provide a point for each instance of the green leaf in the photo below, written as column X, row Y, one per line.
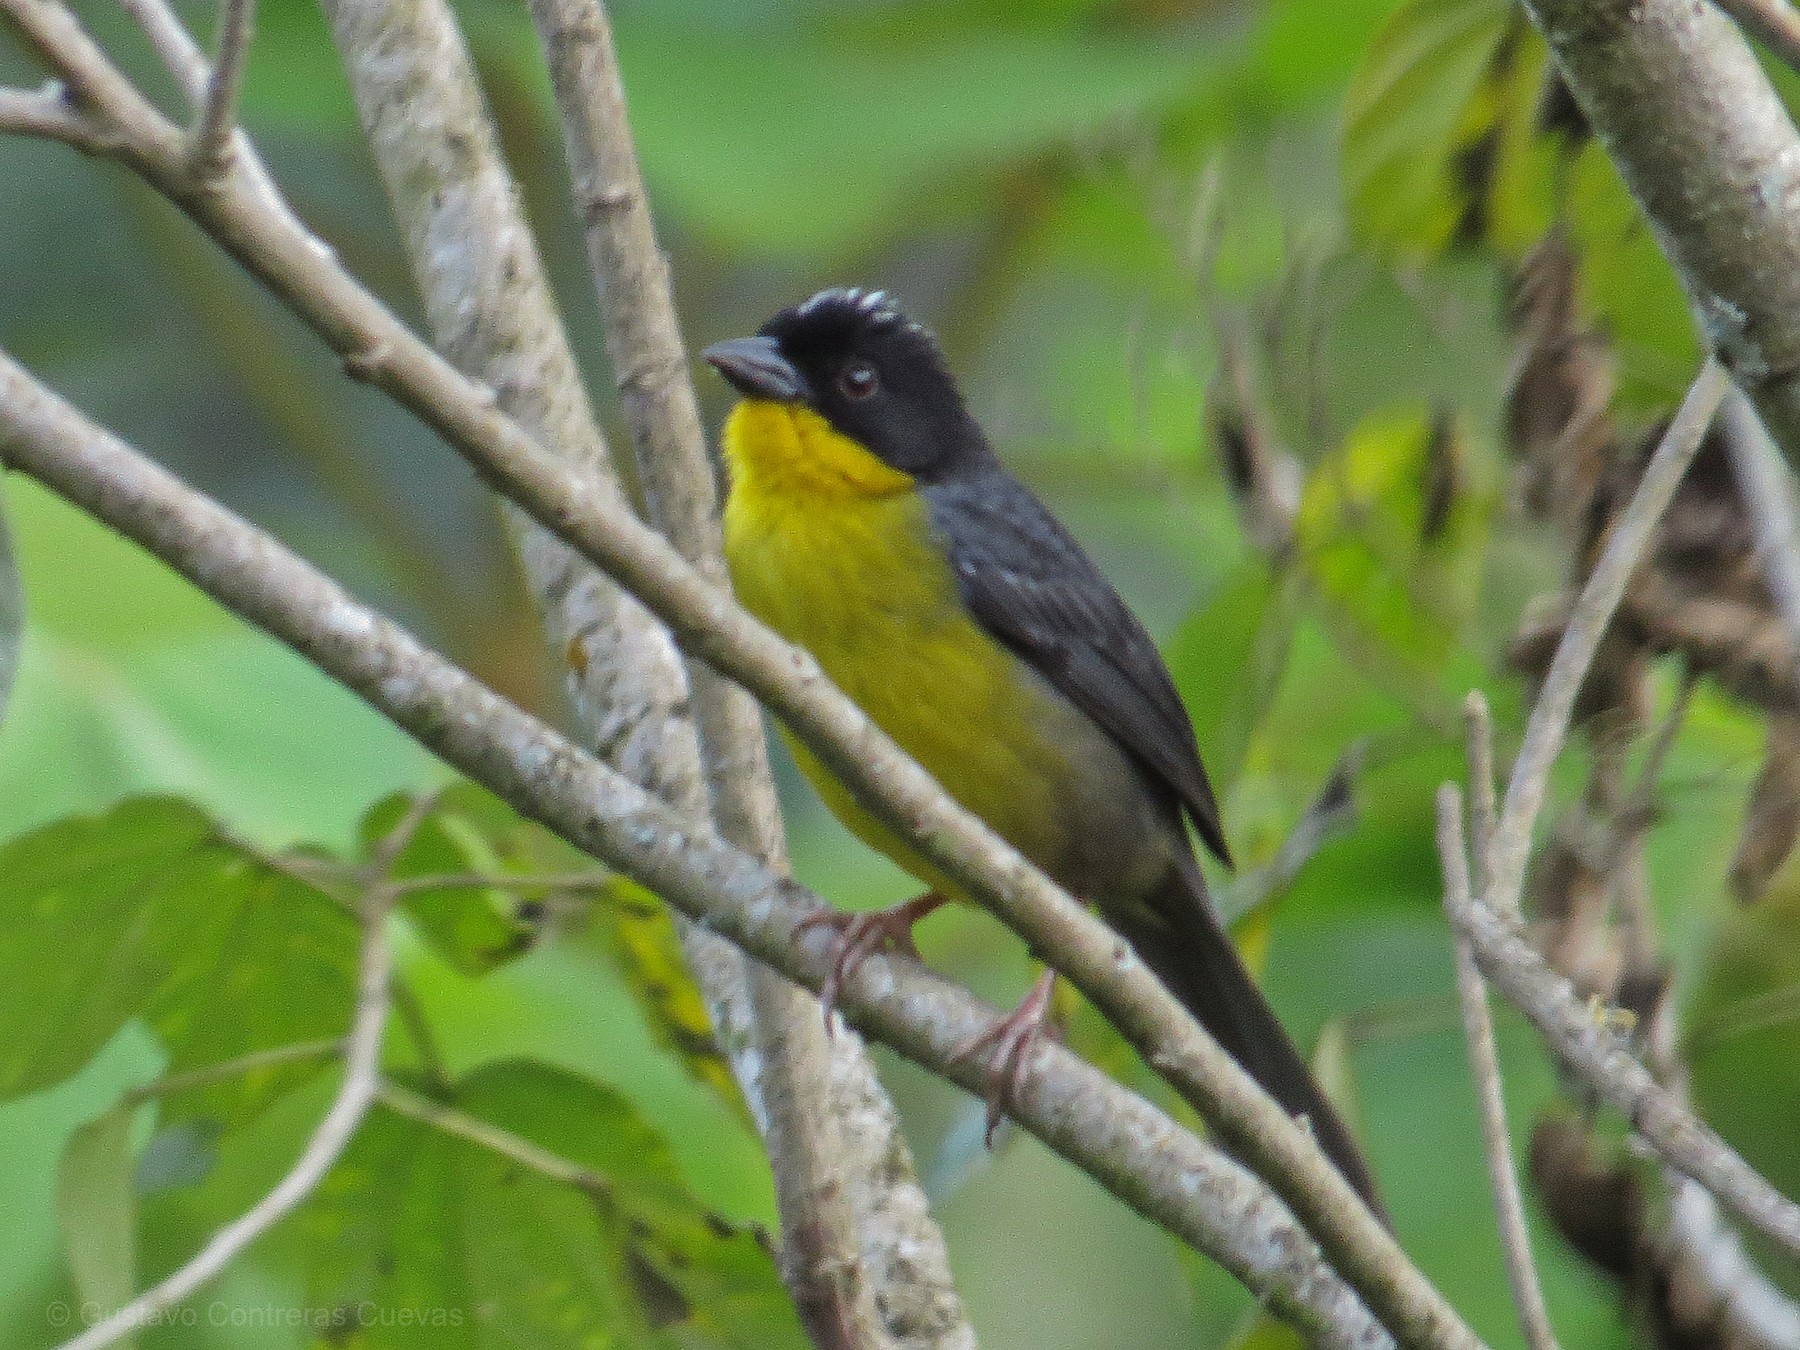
column 470, row 830
column 1363, row 536
column 98, row 912
column 1228, row 658
column 498, row 1254
column 97, row 1211
column 131, row 681
column 149, row 910
column 1439, row 142
column 285, row 973
column 475, row 929
column 1628, row 285
column 1743, row 1046
column 1265, row 1333
column 640, row 938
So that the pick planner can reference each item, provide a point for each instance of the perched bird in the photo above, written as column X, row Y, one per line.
column 870, row 522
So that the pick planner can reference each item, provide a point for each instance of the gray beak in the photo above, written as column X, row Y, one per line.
column 755, row 367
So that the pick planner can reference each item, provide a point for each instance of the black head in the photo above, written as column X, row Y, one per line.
column 868, row 370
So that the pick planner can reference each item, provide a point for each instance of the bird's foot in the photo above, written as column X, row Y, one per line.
column 1008, row 1044
column 862, row 935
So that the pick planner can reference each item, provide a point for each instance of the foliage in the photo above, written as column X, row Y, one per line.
column 1094, row 202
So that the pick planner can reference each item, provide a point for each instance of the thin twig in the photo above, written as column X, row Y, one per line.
column 462, row 1125
column 501, row 881
column 225, row 1070
column 1484, row 810
column 1155, row 1166
column 1519, row 972
column 210, row 142
column 362, row 1070
column 174, row 46
column 1548, row 727
column 1593, row 1050
column 1484, row 1065
column 1767, row 486
column 1332, row 813
column 41, row 112
column 1776, row 22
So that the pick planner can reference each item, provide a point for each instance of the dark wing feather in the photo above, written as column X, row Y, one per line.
column 1030, row 585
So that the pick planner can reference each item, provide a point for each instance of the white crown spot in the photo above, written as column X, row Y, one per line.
column 876, row 308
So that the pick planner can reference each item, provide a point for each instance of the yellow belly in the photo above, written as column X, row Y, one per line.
column 852, row 577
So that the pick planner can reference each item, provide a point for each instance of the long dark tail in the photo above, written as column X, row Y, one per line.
column 1179, row 938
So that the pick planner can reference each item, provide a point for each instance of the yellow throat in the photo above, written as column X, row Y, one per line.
column 833, row 549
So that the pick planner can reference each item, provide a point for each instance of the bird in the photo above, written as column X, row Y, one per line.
column 869, row 520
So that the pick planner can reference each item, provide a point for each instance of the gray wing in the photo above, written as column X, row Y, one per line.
column 1032, row 587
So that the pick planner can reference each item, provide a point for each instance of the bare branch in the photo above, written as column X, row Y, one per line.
column 42, row 112
column 1548, row 727
column 1595, row 1052
column 1767, row 486
column 174, row 46
column 1484, row 1065
column 211, row 139
column 1484, row 809
column 362, row 1076
column 828, row 1175
column 1519, row 972
column 492, row 311
column 1706, row 146
column 1706, row 1250
column 1776, row 22
column 1156, row 1167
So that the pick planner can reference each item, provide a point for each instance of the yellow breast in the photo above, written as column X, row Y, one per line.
column 832, row 548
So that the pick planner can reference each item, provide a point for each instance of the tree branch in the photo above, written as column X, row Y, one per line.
column 1156, row 1167
column 491, row 309
column 1508, row 961
column 1704, row 143
column 1548, row 727
column 1484, row 1066
column 1776, row 22
column 1767, row 487
column 211, row 139
column 379, row 349
column 832, row 1162
column 1596, row 1053
column 42, row 112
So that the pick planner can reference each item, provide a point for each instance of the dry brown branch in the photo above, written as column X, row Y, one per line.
column 1156, row 1167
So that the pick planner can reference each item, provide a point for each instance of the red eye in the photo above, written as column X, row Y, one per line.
column 858, row 380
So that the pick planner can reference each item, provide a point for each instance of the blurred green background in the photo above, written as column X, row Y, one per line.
column 1080, row 197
